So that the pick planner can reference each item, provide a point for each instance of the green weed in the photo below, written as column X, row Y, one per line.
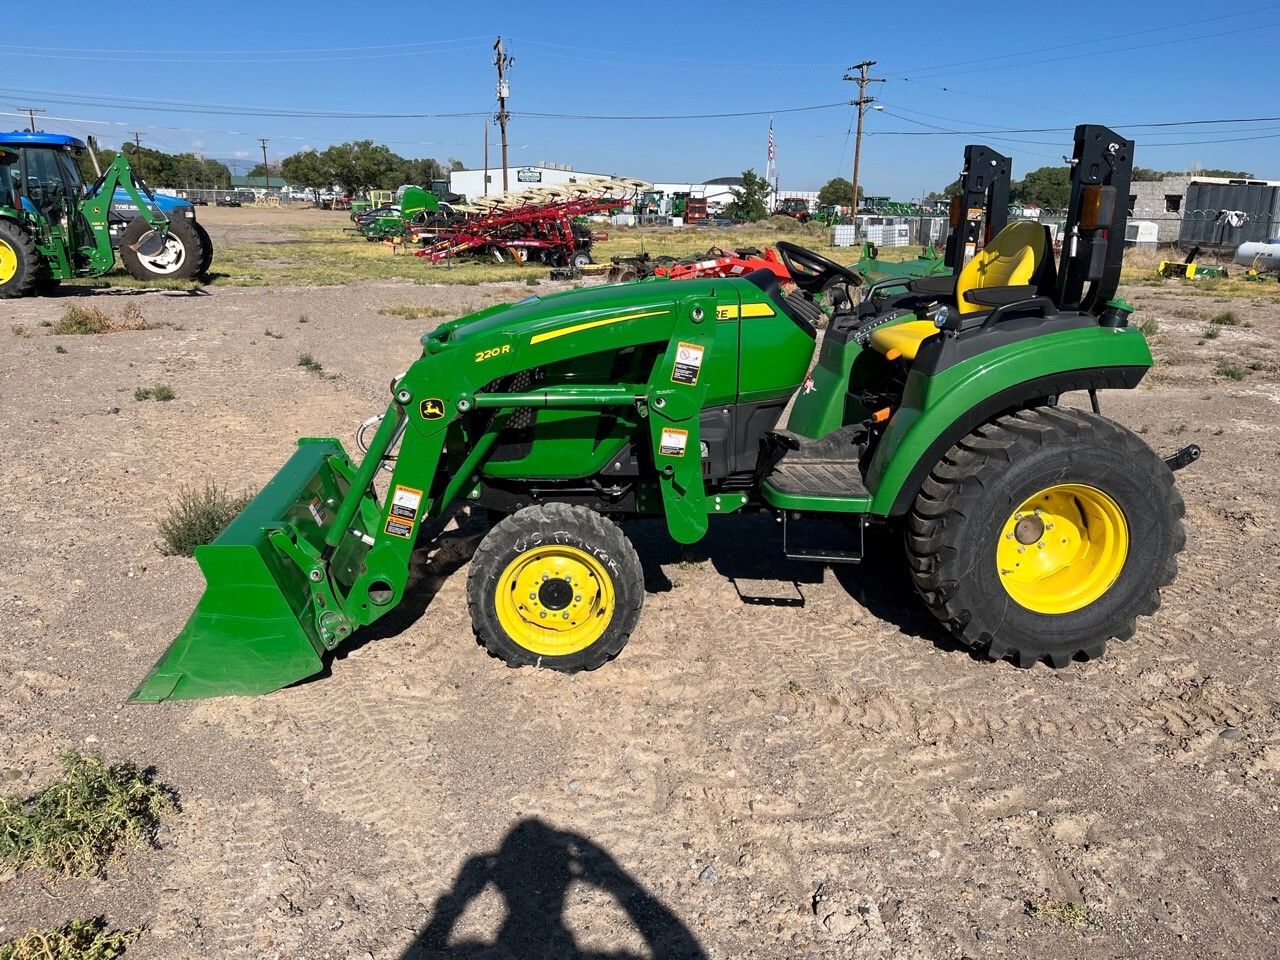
column 310, row 363
column 1225, row 319
column 59, row 348
column 1149, row 326
column 197, row 516
column 1070, row 914
column 1210, row 333
column 74, row 826
column 273, row 335
column 161, row 391
column 1231, row 371
column 90, row 321
column 78, row 940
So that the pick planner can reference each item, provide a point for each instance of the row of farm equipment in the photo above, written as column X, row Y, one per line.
column 545, row 224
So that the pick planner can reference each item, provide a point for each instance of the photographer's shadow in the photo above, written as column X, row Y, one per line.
column 533, row 871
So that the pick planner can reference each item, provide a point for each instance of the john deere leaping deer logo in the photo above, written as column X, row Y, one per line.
column 432, row 408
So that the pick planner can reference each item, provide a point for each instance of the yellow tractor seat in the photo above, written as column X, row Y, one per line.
column 1011, row 259
column 903, row 339
column 1015, row 258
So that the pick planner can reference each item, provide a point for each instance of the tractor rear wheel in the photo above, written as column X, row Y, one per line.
column 179, row 259
column 206, row 248
column 19, row 262
column 555, row 586
column 1045, row 533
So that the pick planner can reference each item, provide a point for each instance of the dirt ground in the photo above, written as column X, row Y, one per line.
column 835, row 779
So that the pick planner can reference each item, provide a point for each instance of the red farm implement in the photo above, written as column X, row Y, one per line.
column 535, row 224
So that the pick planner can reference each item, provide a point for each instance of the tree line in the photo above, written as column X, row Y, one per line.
column 1050, row 187
column 360, row 165
column 355, row 166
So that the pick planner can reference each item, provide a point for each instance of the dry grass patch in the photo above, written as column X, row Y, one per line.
column 414, row 313
column 90, row 321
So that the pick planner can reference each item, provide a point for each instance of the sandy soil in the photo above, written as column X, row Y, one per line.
column 835, row 779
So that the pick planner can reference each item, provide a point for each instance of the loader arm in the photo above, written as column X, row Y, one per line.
column 96, row 209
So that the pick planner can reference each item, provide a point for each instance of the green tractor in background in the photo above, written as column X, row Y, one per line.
column 53, row 228
column 1033, row 531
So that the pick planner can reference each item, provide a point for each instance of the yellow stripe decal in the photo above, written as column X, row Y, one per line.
column 565, row 331
column 746, row 310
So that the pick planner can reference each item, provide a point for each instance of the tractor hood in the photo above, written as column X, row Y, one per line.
column 571, row 312
column 122, row 205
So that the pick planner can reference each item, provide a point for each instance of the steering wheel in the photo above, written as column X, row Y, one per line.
column 812, row 272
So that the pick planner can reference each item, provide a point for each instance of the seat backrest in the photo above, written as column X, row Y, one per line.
column 1011, row 259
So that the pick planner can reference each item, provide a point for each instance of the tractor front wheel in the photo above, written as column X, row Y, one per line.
column 555, row 586
column 179, row 259
column 1045, row 533
column 19, row 262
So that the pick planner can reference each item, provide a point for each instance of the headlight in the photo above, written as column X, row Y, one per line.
column 189, row 212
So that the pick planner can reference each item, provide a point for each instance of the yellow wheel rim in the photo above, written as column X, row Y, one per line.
column 8, row 262
column 1063, row 548
column 554, row 600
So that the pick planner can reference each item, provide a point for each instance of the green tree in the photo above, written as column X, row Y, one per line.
column 748, row 201
column 307, row 169
column 946, row 193
column 1048, row 187
column 259, row 170
column 837, row 192
column 362, row 165
column 1223, row 174
column 422, row 172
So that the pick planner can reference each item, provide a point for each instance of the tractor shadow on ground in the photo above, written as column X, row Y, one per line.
column 746, row 549
column 81, row 291
column 535, row 871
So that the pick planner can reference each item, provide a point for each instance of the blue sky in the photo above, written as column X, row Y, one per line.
column 949, row 67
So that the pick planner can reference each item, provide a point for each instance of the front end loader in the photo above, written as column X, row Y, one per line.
column 1033, row 530
column 54, row 228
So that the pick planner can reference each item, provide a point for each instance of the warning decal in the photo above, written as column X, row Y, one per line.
column 688, row 363
column 404, row 503
column 674, row 442
column 399, row 528
column 317, row 512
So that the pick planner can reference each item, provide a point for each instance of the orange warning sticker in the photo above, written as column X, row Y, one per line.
column 674, row 442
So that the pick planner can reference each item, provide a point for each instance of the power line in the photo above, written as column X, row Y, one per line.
column 271, row 58
column 31, row 113
column 931, row 68
column 347, row 49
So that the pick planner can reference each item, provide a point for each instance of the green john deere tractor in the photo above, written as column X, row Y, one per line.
column 53, row 228
column 1034, row 531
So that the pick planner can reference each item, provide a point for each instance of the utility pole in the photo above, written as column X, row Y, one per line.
column 137, row 140
column 503, row 63
column 861, row 103
column 31, row 112
column 266, row 168
column 487, row 121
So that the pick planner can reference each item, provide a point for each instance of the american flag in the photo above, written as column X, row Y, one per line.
column 772, row 152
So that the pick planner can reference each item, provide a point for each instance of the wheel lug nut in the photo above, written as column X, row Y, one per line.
column 545, row 578
column 543, row 614
column 577, row 598
column 1022, row 549
column 1048, row 526
column 533, row 596
column 565, row 615
column 1040, row 544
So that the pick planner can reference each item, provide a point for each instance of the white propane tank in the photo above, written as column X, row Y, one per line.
column 1265, row 256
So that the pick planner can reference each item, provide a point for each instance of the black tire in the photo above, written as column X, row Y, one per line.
column 26, row 262
column 189, row 255
column 206, row 248
column 579, row 259
column 956, row 525
column 542, row 534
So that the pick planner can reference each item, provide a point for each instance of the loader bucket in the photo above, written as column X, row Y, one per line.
column 254, row 629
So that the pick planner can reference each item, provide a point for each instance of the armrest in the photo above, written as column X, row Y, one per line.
column 999, row 296
column 938, row 285
column 1043, row 306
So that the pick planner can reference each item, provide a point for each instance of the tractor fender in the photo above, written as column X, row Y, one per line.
column 937, row 411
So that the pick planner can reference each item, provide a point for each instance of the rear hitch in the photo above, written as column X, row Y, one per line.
column 1183, row 458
